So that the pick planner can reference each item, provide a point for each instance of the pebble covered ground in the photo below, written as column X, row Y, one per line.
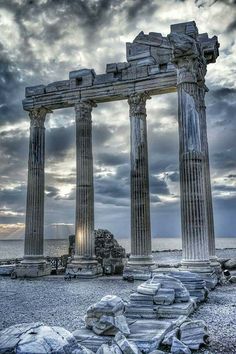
column 55, row 301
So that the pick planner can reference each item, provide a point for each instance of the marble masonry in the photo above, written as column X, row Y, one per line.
column 108, row 252
column 155, row 65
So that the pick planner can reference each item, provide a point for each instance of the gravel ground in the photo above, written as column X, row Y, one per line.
column 55, row 301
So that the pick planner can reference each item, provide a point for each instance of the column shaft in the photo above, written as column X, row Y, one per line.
column 192, row 181
column 34, row 226
column 140, row 204
column 84, row 233
column 207, row 176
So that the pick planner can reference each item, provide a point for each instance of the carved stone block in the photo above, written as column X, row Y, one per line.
column 34, row 90
column 104, row 78
column 111, row 68
column 136, row 51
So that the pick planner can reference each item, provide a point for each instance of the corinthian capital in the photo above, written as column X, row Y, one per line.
column 188, row 58
column 37, row 116
column 137, row 103
column 83, row 109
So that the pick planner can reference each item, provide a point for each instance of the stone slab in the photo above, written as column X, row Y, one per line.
column 83, row 270
column 7, row 269
column 148, row 334
column 175, row 310
column 90, row 340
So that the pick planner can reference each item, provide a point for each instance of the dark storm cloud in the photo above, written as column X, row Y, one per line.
column 52, row 192
column 13, row 198
column 173, row 176
column 110, row 159
column 10, row 88
column 158, row 186
column 224, row 188
column 140, row 7
column 59, row 141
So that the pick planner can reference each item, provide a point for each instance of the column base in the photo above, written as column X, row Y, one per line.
column 32, row 267
column 139, row 268
column 203, row 269
column 83, row 268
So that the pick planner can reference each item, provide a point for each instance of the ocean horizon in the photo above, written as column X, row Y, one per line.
column 56, row 247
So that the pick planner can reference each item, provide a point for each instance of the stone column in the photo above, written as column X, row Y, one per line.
column 34, row 263
column 191, row 70
column 211, row 233
column 84, row 263
column 141, row 249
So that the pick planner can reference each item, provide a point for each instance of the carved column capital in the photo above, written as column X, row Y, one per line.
column 37, row 116
column 188, row 57
column 137, row 103
column 83, row 109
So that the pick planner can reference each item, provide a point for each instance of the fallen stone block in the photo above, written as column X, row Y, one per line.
column 148, row 288
column 38, row 338
column 148, row 334
column 194, row 334
column 230, row 264
column 168, row 282
column 7, row 269
column 175, row 310
column 109, row 325
column 109, row 349
column 179, row 348
column 125, row 345
column 110, row 305
column 168, row 339
column 91, row 340
column 164, row 297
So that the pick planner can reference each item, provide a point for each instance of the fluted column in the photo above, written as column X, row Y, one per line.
column 84, row 233
column 202, row 89
column 34, row 225
column 141, row 247
column 191, row 70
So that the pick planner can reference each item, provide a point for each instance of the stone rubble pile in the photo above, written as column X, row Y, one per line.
column 108, row 252
column 193, row 283
column 188, row 335
column 162, row 296
column 106, row 317
column 108, row 331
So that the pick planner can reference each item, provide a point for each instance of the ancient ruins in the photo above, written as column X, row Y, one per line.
column 155, row 65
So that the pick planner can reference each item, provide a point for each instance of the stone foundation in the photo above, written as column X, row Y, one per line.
column 83, row 269
column 32, row 270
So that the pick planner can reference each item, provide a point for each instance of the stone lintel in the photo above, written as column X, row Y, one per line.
column 155, row 83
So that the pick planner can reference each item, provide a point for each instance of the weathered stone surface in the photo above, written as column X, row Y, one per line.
column 108, row 252
column 125, row 345
column 109, row 349
column 110, row 325
column 106, row 316
column 181, row 293
column 230, row 264
column 168, row 339
column 148, row 289
column 232, row 279
column 39, row 338
column 34, row 90
column 90, row 340
column 109, row 305
column 164, row 296
column 7, row 269
column 194, row 333
column 193, row 283
column 179, row 348
column 148, row 334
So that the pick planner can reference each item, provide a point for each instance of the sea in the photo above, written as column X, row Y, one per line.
column 54, row 248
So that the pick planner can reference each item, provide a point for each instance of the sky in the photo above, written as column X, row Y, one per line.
column 41, row 41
